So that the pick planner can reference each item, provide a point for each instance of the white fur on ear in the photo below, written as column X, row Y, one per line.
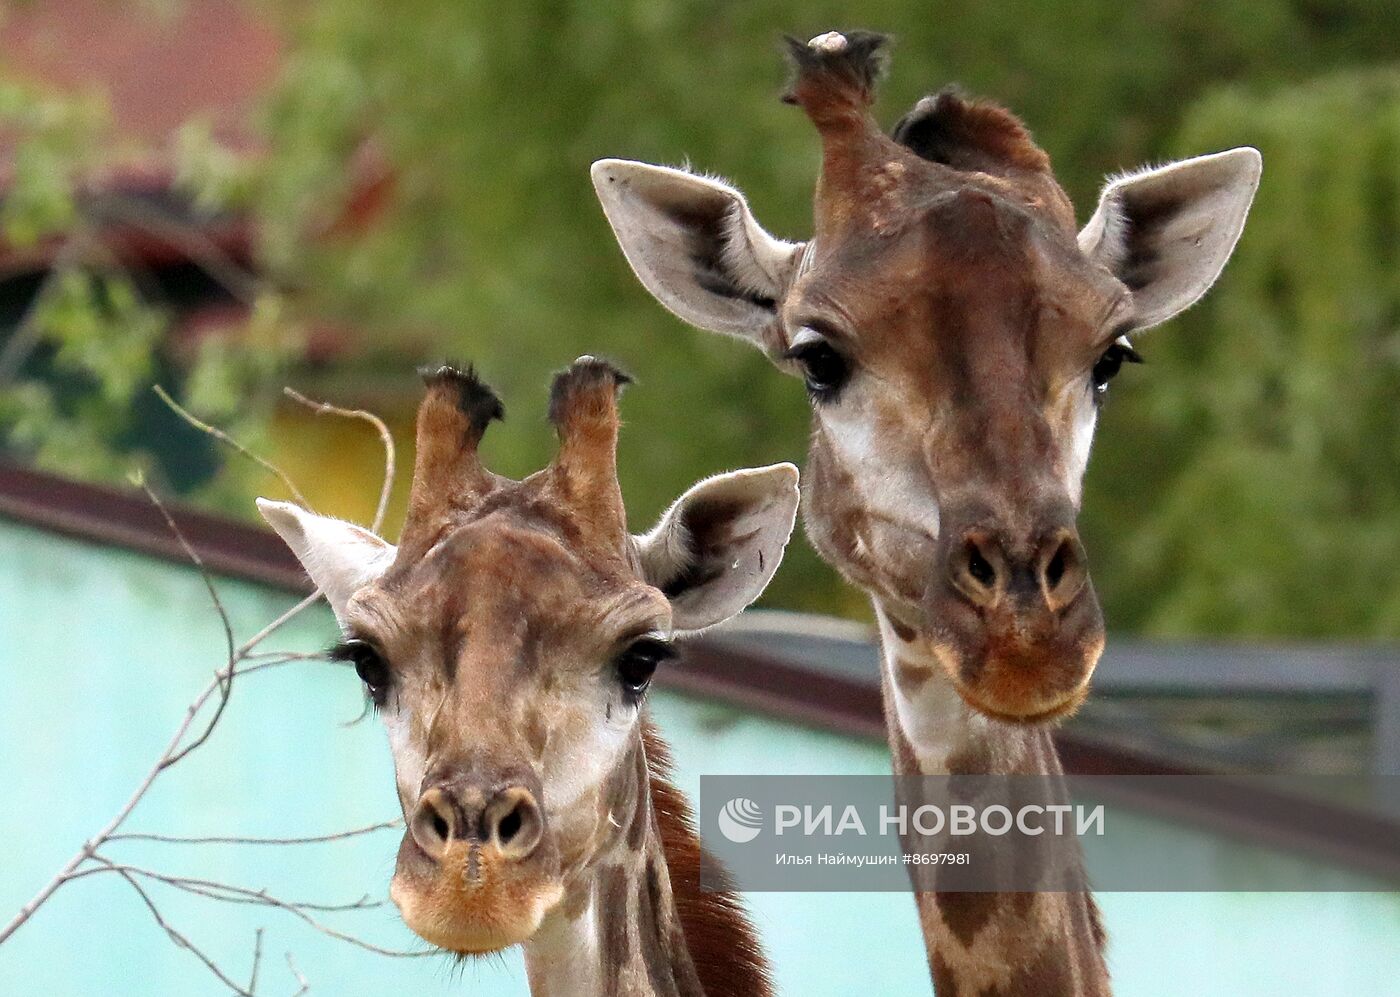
column 1168, row 232
column 715, row 550
column 693, row 243
column 340, row 557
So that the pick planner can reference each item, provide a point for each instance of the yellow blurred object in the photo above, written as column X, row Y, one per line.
column 339, row 463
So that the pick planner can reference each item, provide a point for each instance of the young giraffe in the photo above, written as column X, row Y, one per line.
column 507, row 644
column 955, row 334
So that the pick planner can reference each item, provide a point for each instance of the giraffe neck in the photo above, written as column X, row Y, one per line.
column 634, row 922
column 617, row 932
column 1010, row 944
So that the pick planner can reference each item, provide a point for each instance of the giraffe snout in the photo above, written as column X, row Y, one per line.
column 509, row 820
column 1018, row 626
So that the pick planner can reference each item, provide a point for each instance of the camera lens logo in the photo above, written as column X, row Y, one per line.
column 740, row 820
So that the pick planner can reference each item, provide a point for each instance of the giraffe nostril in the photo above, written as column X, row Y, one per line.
column 446, row 816
column 514, row 822
column 980, row 568
column 1055, row 570
column 1064, row 573
column 976, row 569
column 509, row 826
column 434, row 823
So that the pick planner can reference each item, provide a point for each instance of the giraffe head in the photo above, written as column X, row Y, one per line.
column 955, row 334
column 507, row 644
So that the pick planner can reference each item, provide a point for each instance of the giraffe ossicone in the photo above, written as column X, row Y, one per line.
column 507, row 643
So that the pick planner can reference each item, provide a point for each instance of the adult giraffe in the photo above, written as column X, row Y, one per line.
column 507, row 643
column 955, row 333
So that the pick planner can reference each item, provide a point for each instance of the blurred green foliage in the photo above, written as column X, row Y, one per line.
column 1252, row 484
column 1235, row 477
column 79, row 357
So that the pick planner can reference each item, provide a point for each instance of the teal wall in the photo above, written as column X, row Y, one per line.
column 102, row 650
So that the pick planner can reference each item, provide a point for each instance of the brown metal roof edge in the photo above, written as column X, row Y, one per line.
column 127, row 519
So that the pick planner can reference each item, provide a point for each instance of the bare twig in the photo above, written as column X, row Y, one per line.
column 317, row 839
column 222, row 682
column 278, row 624
column 231, row 893
column 224, row 677
column 180, row 940
column 257, row 961
column 262, row 897
column 304, row 987
column 223, row 437
column 385, row 437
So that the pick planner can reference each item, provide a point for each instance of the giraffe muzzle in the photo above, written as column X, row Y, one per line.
column 477, row 869
column 1019, row 628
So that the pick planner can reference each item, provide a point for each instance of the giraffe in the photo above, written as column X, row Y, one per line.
column 955, row 334
column 507, row 643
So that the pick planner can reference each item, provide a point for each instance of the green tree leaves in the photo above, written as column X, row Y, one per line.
column 1249, row 482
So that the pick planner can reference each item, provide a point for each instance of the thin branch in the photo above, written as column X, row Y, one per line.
column 264, row 898
column 224, row 437
column 316, row 839
column 276, row 625
column 224, row 677
column 278, row 662
column 257, row 961
column 222, row 681
column 296, row 975
column 225, row 892
column 180, row 940
column 385, row 437
column 233, row 894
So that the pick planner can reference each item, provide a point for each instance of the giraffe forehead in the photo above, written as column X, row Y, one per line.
column 507, row 588
column 505, row 547
column 953, row 314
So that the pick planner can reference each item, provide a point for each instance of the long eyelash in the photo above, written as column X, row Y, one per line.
column 659, row 647
column 1130, row 355
column 343, row 652
column 369, row 707
column 1125, row 354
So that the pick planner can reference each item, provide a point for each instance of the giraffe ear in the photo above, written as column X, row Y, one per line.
column 340, row 557
column 1167, row 232
column 695, row 245
column 715, row 549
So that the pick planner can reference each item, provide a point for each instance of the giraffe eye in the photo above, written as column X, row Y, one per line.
column 369, row 665
column 1111, row 362
column 636, row 665
column 823, row 368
